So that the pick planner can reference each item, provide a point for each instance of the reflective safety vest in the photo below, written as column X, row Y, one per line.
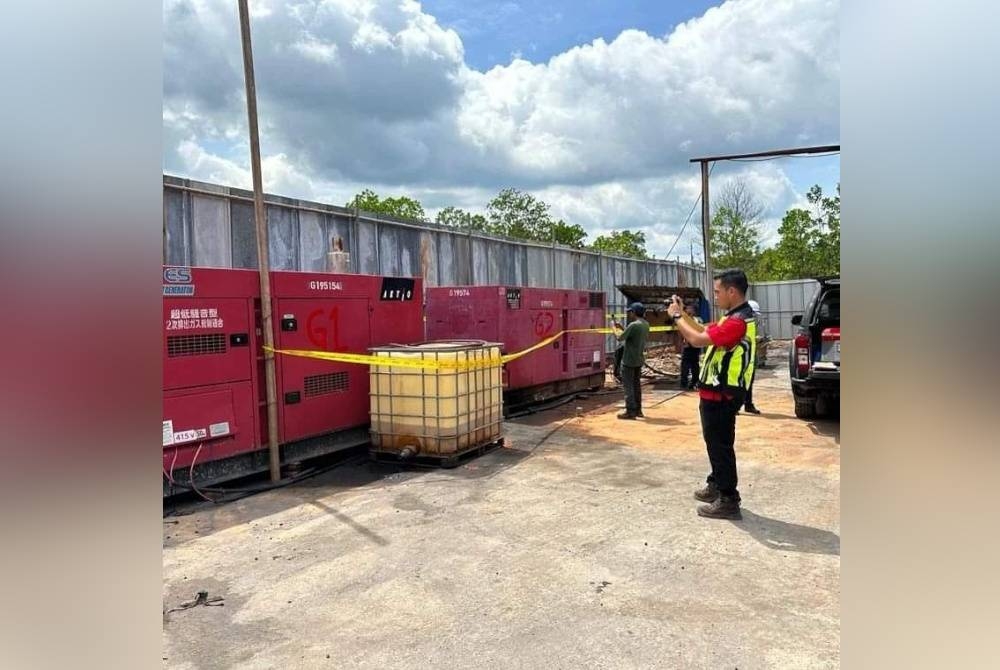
column 730, row 370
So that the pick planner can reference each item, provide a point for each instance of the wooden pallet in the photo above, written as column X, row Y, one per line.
column 447, row 461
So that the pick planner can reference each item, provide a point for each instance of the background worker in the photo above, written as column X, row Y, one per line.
column 690, row 354
column 748, row 405
column 633, row 356
column 726, row 370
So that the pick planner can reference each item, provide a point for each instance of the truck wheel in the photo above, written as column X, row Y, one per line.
column 805, row 408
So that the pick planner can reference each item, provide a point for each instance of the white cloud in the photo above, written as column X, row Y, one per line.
column 315, row 49
column 356, row 93
column 624, row 108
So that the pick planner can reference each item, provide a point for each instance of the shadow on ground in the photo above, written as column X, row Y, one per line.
column 355, row 472
column 826, row 428
column 784, row 536
column 663, row 421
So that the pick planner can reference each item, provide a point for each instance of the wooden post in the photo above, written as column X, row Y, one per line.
column 263, row 256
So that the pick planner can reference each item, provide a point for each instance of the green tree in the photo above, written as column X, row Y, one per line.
column 735, row 226
column 797, row 248
column 622, row 243
column 459, row 218
column 367, row 200
column 517, row 214
column 827, row 219
column 810, row 241
column 809, row 244
column 520, row 215
column 566, row 234
column 400, row 207
column 770, row 266
column 735, row 242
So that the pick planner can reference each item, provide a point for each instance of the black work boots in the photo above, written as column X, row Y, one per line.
column 719, row 506
column 708, row 494
column 724, row 507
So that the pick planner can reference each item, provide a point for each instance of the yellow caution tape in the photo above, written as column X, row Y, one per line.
column 384, row 359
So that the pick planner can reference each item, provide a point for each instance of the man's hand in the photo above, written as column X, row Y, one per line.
column 674, row 306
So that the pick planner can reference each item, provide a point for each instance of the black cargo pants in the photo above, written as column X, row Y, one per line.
column 718, row 425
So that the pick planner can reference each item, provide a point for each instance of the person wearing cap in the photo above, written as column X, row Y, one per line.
column 748, row 405
column 726, row 368
column 634, row 338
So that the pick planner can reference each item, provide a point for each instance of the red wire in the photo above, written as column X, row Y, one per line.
column 170, row 475
column 191, row 473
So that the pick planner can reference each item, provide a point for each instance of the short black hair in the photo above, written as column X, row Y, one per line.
column 735, row 278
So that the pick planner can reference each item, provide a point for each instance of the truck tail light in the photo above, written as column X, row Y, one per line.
column 802, row 357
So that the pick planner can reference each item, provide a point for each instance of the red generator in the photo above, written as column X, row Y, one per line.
column 211, row 355
column 519, row 318
column 214, row 399
column 342, row 313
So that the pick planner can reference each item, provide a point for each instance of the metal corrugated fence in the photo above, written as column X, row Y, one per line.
column 780, row 301
column 212, row 226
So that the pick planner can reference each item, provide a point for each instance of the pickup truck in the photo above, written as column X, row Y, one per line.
column 814, row 358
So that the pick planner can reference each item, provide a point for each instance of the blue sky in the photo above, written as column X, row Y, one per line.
column 595, row 107
column 492, row 31
column 495, row 32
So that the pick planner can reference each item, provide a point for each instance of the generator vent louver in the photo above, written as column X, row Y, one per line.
column 195, row 345
column 332, row 382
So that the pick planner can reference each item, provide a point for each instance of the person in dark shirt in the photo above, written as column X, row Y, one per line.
column 748, row 405
column 689, row 356
column 726, row 371
column 634, row 338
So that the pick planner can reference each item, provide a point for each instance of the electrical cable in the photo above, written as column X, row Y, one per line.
column 170, row 475
column 772, row 158
column 688, row 220
column 191, row 474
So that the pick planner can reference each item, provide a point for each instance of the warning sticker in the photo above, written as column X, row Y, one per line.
column 168, row 433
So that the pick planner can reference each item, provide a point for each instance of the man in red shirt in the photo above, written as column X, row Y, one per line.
column 726, row 367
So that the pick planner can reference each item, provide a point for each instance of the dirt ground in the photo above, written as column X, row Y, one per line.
column 575, row 546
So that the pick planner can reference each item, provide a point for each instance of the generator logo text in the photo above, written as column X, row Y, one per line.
column 397, row 288
column 326, row 286
column 177, row 275
column 174, row 290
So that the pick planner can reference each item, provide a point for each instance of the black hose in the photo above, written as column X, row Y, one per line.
column 541, row 408
column 243, row 492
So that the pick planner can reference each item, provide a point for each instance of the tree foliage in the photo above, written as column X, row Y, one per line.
column 400, row 207
column 567, row 234
column 735, row 227
column 622, row 243
column 520, row 215
column 808, row 244
column 735, row 241
column 459, row 218
column 810, row 240
column 738, row 197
